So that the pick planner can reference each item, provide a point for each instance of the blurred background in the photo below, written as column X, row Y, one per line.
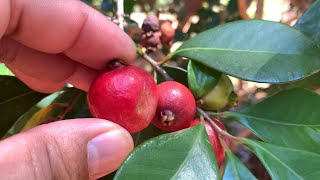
column 172, row 22
column 182, row 19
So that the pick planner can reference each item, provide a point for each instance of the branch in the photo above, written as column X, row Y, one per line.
column 69, row 105
column 216, row 127
column 207, row 117
column 156, row 67
column 120, row 13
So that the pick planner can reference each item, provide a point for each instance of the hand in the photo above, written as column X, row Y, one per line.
column 47, row 44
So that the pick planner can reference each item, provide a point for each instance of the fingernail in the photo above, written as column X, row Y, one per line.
column 107, row 151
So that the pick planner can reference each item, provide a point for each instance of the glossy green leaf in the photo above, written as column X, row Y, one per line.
column 286, row 163
column 185, row 154
column 4, row 71
column 178, row 74
column 50, row 106
column 20, row 123
column 15, row 99
column 201, row 79
column 150, row 132
column 309, row 23
column 264, row 51
column 235, row 169
column 289, row 118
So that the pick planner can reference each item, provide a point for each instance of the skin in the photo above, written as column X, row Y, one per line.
column 179, row 101
column 130, row 92
column 47, row 44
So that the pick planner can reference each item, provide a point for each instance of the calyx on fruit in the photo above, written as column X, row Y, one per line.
column 126, row 95
column 220, row 96
column 176, row 107
column 214, row 139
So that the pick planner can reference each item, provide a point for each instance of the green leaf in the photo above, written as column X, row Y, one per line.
column 289, row 118
column 146, row 134
column 15, row 99
column 178, row 74
column 309, row 23
column 4, row 71
column 235, row 169
column 264, row 51
column 201, row 79
column 185, row 154
column 286, row 163
column 50, row 106
column 128, row 6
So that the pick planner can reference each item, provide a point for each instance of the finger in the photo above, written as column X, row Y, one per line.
column 81, row 79
column 5, row 16
column 52, row 67
column 84, row 34
column 44, row 72
column 42, row 86
column 73, row 149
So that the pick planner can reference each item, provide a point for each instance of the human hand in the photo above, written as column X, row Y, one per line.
column 47, row 44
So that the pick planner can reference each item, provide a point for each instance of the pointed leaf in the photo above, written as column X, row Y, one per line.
column 235, row 169
column 15, row 99
column 286, row 163
column 5, row 71
column 289, row 118
column 264, row 51
column 201, row 79
column 309, row 23
column 178, row 74
column 50, row 106
column 186, row 154
column 146, row 134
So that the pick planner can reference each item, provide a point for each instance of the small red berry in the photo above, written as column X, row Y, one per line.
column 126, row 95
column 167, row 32
column 214, row 139
column 176, row 107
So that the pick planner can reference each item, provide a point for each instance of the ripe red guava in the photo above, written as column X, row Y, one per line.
column 214, row 139
column 126, row 95
column 176, row 107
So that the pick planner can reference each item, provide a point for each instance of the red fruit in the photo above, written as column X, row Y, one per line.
column 126, row 95
column 214, row 139
column 176, row 107
column 167, row 32
column 151, row 41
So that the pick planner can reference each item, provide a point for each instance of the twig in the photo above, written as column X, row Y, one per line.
column 207, row 117
column 69, row 106
column 120, row 13
column 156, row 67
column 216, row 127
column 166, row 59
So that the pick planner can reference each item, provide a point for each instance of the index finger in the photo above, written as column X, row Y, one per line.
column 70, row 27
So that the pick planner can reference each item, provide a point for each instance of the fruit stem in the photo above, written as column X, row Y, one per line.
column 166, row 59
column 216, row 127
column 69, row 105
column 204, row 114
column 156, row 67
column 120, row 13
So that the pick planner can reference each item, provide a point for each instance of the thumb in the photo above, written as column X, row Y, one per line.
column 72, row 149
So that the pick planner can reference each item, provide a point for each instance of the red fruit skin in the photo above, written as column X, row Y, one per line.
column 167, row 32
column 127, row 96
column 179, row 100
column 214, row 139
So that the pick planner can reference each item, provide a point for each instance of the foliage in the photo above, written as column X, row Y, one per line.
column 286, row 123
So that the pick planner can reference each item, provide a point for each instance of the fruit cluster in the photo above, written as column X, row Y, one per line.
column 155, row 32
column 129, row 96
